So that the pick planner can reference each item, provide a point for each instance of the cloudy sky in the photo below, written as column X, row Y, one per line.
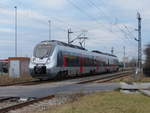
column 110, row 23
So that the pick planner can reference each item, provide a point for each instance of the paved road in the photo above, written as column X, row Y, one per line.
column 47, row 89
column 61, row 87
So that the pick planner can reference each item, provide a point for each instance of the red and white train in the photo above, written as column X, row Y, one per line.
column 53, row 59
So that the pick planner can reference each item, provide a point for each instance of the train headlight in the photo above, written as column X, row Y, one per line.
column 48, row 61
column 33, row 59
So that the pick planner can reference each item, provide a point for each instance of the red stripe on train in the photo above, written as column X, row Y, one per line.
column 81, row 65
column 97, row 68
column 65, row 62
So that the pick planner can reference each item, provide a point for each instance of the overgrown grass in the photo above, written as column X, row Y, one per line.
column 5, row 79
column 106, row 102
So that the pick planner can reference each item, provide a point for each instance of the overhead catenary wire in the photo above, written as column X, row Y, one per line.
column 88, row 15
column 100, row 10
column 130, row 32
column 93, row 19
column 92, row 3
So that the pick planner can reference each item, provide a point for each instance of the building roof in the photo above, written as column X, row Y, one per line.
column 18, row 58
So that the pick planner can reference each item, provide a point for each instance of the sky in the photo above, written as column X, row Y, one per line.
column 107, row 24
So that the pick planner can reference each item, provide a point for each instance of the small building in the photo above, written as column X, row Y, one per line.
column 3, row 65
column 18, row 66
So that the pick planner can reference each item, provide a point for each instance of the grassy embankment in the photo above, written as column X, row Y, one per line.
column 106, row 102
column 5, row 79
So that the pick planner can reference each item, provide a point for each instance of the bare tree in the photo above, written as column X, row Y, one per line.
column 147, row 61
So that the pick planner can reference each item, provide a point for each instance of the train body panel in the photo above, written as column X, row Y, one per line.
column 53, row 59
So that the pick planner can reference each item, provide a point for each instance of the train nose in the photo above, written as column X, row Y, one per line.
column 40, row 69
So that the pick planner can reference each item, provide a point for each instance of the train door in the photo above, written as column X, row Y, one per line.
column 60, row 59
column 108, row 65
column 97, row 64
column 81, row 64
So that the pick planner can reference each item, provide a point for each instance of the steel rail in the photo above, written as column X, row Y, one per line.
column 5, row 98
column 103, row 79
column 106, row 77
column 113, row 78
column 18, row 106
column 33, row 82
column 17, row 83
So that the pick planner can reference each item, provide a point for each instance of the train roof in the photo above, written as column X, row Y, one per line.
column 99, row 52
column 64, row 44
column 76, row 47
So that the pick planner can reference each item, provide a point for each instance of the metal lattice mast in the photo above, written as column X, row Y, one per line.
column 69, row 32
column 139, row 42
column 15, row 31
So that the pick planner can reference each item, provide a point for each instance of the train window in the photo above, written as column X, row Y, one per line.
column 108, row 63
column 86, row 61
column 43, row 51
column 75, row 61
column 72, row 61
column 59, row 59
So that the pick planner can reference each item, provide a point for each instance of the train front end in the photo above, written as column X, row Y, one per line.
column 42, row 63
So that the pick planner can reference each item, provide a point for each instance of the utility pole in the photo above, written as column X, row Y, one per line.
column 69, row 32
column 81, row 38
column 124, row 55
column 82, row 41
column 139, row 43
column 49, row 29
column 15, row 31
column 112, row 50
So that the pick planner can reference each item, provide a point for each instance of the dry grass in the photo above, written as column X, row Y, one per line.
column 131, row 78
column 123, row 79
column 5, row 79
column 106, row 102
column 145, row 79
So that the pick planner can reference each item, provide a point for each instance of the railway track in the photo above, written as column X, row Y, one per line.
column 34, row 82
column 32, row 101
column 107, row 78
column 18, row 83
column 23, row 104
column 37, row 82
column 5, row 98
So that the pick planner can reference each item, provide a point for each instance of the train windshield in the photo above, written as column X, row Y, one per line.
column 43, row 51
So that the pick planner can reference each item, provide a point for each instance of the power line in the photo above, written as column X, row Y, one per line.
column 85, row 13
column 92, row 3
column 82, row 11
column 129, row 31
column 123, row 31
